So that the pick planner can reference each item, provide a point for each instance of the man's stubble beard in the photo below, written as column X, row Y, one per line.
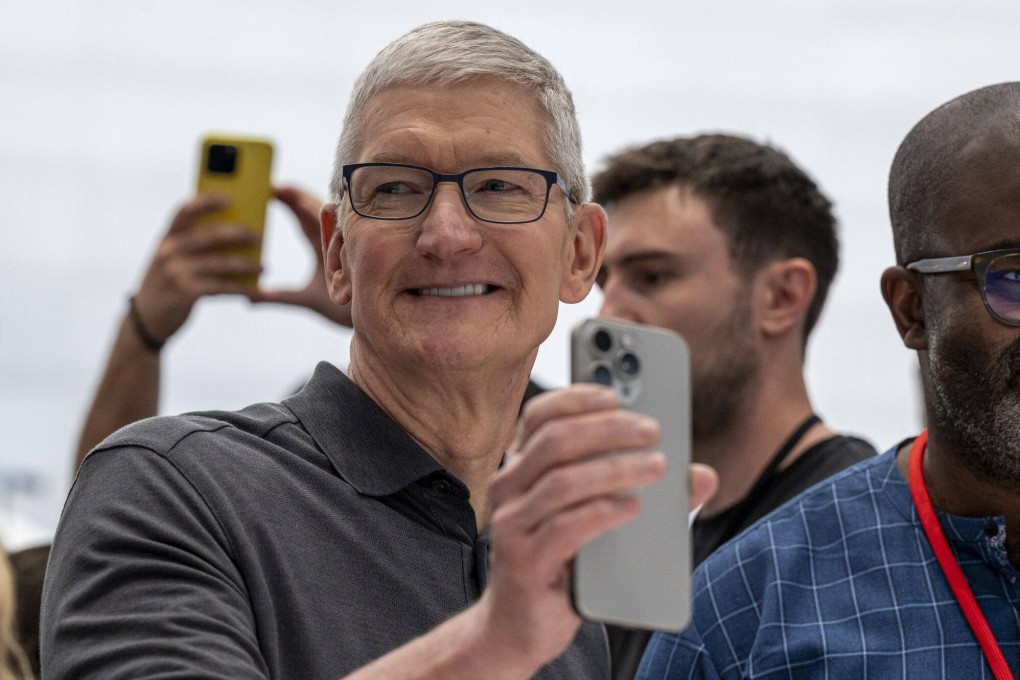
column 719, row 389
column 977, row 405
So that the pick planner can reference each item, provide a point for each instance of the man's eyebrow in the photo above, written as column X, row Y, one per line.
column 650, row 257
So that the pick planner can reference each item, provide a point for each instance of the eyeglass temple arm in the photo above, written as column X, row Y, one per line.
column 942, row 265
column 566, row 190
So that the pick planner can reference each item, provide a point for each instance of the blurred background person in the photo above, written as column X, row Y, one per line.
column 730, row 244
column 14, row 664
column 190, row 263
column 28, row 569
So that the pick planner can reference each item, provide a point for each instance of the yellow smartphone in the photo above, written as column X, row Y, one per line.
column 238, row 167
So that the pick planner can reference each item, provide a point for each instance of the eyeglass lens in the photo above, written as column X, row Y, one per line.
column 1002, row 286
column 499, row 195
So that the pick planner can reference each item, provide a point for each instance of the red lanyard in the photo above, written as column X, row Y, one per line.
column 957, row 581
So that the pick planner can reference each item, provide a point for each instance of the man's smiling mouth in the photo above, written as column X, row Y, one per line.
column 458, row 291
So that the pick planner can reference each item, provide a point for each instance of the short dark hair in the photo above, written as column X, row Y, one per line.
column 767, row 207
column 928, row 160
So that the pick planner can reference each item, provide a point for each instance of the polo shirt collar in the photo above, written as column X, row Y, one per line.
column 365, row 445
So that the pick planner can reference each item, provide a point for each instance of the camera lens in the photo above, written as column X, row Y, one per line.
column 602, row 374
column 222, row 158
column 602, row 340
column 629, row 364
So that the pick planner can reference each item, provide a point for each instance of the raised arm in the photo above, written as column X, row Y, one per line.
column 189, row 263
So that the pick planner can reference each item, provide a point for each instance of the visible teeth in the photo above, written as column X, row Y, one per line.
column 459, row 291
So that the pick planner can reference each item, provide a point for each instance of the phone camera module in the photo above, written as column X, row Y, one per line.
column 222, row 158
column 602, row 375
column 629, row 364
column 602, row 340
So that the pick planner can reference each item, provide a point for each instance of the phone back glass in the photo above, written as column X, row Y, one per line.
column 639, row 574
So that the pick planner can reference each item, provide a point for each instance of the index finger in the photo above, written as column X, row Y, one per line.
column 573, row 400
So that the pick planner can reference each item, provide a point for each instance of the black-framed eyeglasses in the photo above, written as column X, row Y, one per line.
column 998, row 277
column 504, row 195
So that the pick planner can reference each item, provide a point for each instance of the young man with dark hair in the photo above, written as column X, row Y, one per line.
column 731, row 245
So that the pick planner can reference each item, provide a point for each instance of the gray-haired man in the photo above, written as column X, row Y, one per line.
column 348, row 529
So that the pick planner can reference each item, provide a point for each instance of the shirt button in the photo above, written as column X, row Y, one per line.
column 442, row 486
column 991, row 530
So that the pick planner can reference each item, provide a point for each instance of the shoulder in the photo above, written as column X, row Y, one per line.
column 825, row 459
column 765, row 575
column 212, row 452
column 816, row 465
column 777, row 547
column 845, row 449
column 166, row 434
column 794, row 523
column 187, row 479
column 676, row 655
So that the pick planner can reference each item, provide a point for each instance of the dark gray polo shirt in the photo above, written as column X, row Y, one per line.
column 294, row 540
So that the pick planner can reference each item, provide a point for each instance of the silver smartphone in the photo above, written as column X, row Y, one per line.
column 639, row 574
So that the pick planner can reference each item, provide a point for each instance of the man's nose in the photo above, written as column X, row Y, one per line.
column 617, row 302
column 448, row 228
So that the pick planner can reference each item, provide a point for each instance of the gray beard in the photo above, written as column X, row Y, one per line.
column 977, row 406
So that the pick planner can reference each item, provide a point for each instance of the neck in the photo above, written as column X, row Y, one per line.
column 767, row 418
column 955, row 489
column 464, row 419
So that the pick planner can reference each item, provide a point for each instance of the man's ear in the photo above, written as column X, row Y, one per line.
column 584, row 253
column 904, row 295
column 785, row 291
column 337, row 279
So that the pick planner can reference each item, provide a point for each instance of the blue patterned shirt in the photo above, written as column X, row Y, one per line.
column 841, row 583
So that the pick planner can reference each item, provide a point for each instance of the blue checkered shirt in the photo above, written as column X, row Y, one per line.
column 841, row 583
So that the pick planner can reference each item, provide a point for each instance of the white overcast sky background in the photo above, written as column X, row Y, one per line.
column 102, row 105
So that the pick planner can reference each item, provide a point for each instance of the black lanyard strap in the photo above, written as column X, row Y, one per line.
column 739, row 512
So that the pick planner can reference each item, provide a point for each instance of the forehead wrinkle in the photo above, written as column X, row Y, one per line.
column 482, row 160
column 428, row 130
